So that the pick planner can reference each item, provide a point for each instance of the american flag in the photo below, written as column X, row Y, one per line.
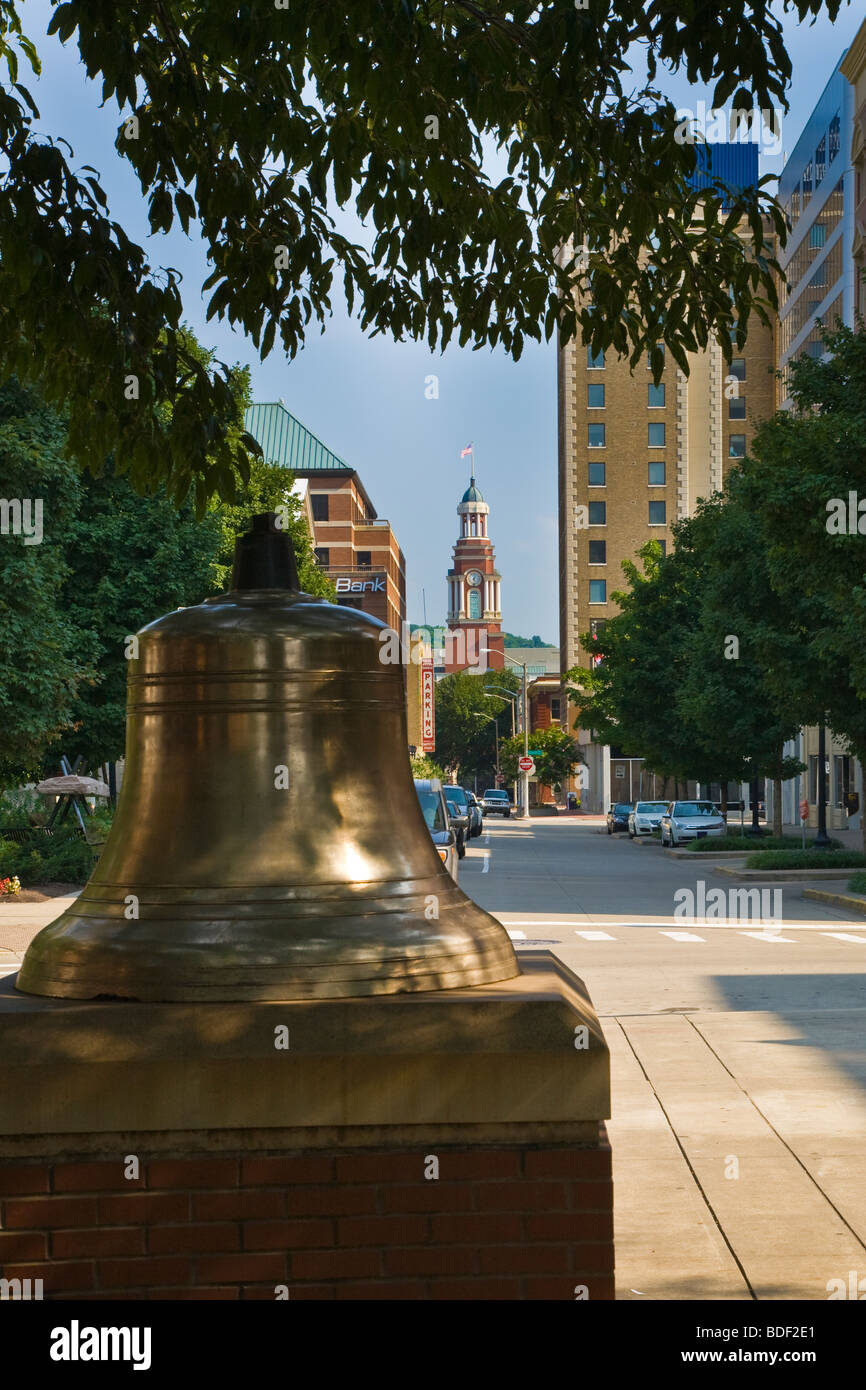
column 467, row 450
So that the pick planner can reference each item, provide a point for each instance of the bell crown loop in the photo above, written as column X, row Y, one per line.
column 265, row 557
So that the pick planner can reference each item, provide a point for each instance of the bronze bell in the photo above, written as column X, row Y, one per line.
column 268, row 842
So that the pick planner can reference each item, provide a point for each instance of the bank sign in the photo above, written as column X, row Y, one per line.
column 362, row 586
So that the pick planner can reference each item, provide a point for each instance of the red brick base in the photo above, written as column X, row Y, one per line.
column 507, row 1222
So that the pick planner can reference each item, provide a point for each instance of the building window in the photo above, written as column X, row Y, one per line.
column 737, row 446
column 598, row 552
column 555, row 706
column 656, row 436
column 365, row 559
column 835, row 141
column 807, row 184
column 664, row 545
column 320, row 506
column 820, row 167
column 595, row 395
column 817, row 234
column 737, row 408
column 820, row 276
column 598, row 591
column 594, row 360
column 656, row 473
column 596, row 472
column 660, row 347
column 656, row 395
column 795, row 203
column 474, row 604
column 843, row 770
column 657, row 514
column 323, row 555
column 598, row 513
column 738, row 368
column 596, row 436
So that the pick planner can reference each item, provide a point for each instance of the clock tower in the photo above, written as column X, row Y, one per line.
column 474, row 637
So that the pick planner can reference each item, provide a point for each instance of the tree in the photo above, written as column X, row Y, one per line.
column 255, row 122
column 742, row 631
column 803, row 481
column 42, row 665
column 558, row 754
column 465, row 732
column 628, row 698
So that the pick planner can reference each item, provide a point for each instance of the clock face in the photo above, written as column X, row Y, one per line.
column 473, row 578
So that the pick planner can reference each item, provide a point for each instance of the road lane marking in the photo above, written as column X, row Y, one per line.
column 846, row 936
column 768, row 936
column 595, row 935
column 516, row 935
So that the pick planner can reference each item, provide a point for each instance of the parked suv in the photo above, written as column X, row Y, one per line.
column 495, row 802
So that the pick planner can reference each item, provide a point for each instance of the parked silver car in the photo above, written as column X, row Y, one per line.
column 691, row 820
column 645, row 817
column 435, row 810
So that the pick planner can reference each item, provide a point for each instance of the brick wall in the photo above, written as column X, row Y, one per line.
column 506, row 1222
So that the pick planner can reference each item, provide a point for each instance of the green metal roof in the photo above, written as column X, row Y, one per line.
column 286, row 441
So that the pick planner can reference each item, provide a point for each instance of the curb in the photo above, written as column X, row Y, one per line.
column 786, row 875
column 836, row 899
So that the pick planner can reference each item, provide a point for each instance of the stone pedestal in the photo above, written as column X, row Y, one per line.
column 445, row 1145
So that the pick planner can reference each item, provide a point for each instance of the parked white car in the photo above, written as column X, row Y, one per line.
column 645, row 817
column 691, row 820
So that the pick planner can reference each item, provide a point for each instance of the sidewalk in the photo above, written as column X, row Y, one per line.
column 755, row 1186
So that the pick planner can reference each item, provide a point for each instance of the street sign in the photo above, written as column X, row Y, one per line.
column 526, row 764
column 428, row 705
column 535, row 752
column 804, row 809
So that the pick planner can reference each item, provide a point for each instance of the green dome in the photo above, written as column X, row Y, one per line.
column 471, row 494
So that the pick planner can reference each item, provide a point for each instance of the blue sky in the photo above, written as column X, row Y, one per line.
column 366, row 397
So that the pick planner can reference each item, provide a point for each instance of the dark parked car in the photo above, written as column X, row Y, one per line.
column 476, row 818
column 459, row 814
column 617, row 816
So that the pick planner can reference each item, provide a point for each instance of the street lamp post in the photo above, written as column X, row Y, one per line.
column 524, row 810
column 822, row 839
column 506, row 694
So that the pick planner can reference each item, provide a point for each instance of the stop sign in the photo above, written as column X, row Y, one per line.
column 526, row 764
column 804, row 809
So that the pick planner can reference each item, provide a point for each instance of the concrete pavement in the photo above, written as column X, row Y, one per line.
column 738, row 1056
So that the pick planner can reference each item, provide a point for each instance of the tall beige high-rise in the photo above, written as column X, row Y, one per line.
column 634, row 456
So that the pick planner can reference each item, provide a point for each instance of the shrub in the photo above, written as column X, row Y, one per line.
column 857, row 883
column 746, row 844
column 807, row 859
column 62, row 858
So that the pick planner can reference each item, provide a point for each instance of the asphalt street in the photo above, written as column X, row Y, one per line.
column 738, row 1059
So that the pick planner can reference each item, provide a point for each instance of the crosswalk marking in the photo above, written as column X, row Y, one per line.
column 595, row 935
column 681, row 936
column 767, row 936
column 516, row 935
column 846, row 936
